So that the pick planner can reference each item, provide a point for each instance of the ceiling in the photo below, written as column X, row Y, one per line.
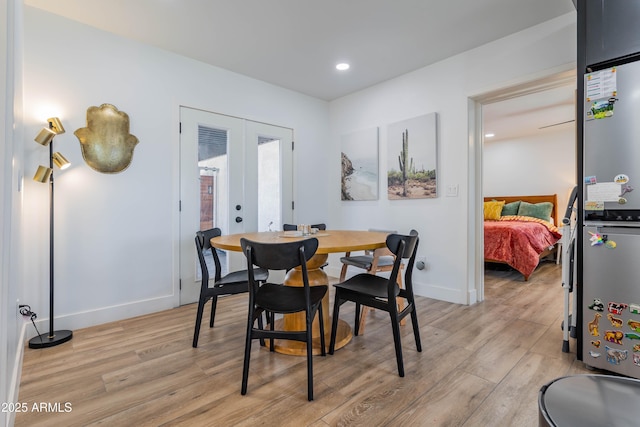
column 296, row 44
column 535, row 114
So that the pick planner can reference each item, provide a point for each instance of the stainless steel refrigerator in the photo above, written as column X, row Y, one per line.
column 611, row 227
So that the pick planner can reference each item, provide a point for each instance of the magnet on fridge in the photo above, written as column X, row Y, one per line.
column 622, row 201
column 597, row 305
column 621, row 179
column 636, row 359
column 632, row 335
column 616, row 307
column 615, row 356
column 596, row 343
column 589, row 180
column 636, row 348
column 616, row 322
column 614, row 336
column 594, row 354
column 626, row 189
column 634, row 325
column 593, row 325
column 610, row 244
column 595, row 239
column 634, row 308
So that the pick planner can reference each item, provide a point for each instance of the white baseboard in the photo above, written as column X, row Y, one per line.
column 16, row 373
column 106, row 314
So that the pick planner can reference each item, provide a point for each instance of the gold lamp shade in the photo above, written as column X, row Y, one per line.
column 44, row 137
column 60, row 161
column 55, row 125
column 42, row 174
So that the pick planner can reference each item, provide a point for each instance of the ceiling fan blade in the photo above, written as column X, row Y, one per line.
column 556, row 124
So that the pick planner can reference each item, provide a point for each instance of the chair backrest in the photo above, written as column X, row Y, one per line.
column 403, row 247
column 279, row 256
column 203, row 244
column 294, row 227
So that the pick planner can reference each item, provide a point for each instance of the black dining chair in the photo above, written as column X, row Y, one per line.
column 277, row 298
column 232, row 283
column 294, row 227
column 382, row 293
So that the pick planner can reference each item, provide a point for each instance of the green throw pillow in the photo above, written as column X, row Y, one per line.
column 511, row 208
column 538, row 210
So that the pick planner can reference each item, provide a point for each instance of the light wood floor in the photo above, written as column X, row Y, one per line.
column 481, row 365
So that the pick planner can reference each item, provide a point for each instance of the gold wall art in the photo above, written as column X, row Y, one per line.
column 107, row 146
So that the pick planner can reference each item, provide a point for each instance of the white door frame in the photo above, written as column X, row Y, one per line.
column 475, row 225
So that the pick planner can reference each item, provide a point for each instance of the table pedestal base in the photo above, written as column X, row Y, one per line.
column 296, row 321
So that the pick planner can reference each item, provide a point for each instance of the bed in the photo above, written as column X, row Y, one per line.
column 520, row 230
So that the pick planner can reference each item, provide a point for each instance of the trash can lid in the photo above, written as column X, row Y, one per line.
column 591, row 400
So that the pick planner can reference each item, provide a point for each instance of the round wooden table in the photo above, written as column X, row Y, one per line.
column 329, row 241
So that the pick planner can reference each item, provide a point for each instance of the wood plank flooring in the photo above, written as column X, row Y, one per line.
column 481, row 365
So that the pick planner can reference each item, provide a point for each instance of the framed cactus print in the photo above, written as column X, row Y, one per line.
column 412, row 158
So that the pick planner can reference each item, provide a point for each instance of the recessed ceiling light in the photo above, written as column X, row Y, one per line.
column 342, row 66
column 489, row 135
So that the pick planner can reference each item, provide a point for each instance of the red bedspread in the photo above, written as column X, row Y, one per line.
column 518, row 241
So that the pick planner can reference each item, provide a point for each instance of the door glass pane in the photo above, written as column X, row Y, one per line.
column 269, row 185
column 213, row 167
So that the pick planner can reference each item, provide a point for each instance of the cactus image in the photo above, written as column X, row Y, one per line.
column 406, row 165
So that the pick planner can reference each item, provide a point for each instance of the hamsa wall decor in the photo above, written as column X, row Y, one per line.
column 107, row 146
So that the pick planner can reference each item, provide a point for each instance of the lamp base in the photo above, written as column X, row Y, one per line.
column 45, row 340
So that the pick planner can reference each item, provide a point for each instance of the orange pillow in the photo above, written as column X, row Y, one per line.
column 493, row 210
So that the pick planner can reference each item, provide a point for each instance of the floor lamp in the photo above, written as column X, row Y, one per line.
column 45, row 174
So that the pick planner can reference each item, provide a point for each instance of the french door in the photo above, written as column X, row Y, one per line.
column 235, row 174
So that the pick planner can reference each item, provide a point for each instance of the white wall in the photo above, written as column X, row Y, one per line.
column 444, row 88
column 11, row 167
column 544, row 164
column 117, row 235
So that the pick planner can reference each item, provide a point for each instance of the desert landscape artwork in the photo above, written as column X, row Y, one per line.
column 412, row 158
column 359, row 176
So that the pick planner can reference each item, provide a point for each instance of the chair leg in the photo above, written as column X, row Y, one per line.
column 363, row 319
column 356, row 325
column 272, row 342
column 416, row 329
column 214, row 303
column 247, row 352
column 395, row 325
column 321, row 325
column 196, row 332
column 343, row 272
column 309, row 359
column 334, row 322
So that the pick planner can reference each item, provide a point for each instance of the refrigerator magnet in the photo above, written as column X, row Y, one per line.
column 622, row 201
column 616, row 322
column 589, row 180
column 636, row 359
column 593, row 325
column 615, row 356
column 634, row 325
column 596, row 305
column 634, row 308
column 616, row 307
column 621, row 179
column 614, row 336
column 594, row 354
column 626, row 188
column 596, row 343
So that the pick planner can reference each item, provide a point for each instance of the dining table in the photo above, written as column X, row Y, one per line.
column 329, row 241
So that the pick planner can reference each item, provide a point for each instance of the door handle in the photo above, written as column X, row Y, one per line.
column 238, row 219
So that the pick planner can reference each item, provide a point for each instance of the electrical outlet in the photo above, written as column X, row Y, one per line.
column 452, row 190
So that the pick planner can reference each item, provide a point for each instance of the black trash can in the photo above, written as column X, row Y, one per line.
column 590, row 400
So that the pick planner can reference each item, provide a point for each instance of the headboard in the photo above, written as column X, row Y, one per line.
column 553, row 198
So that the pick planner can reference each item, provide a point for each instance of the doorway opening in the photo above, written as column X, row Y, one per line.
column 477, row 167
